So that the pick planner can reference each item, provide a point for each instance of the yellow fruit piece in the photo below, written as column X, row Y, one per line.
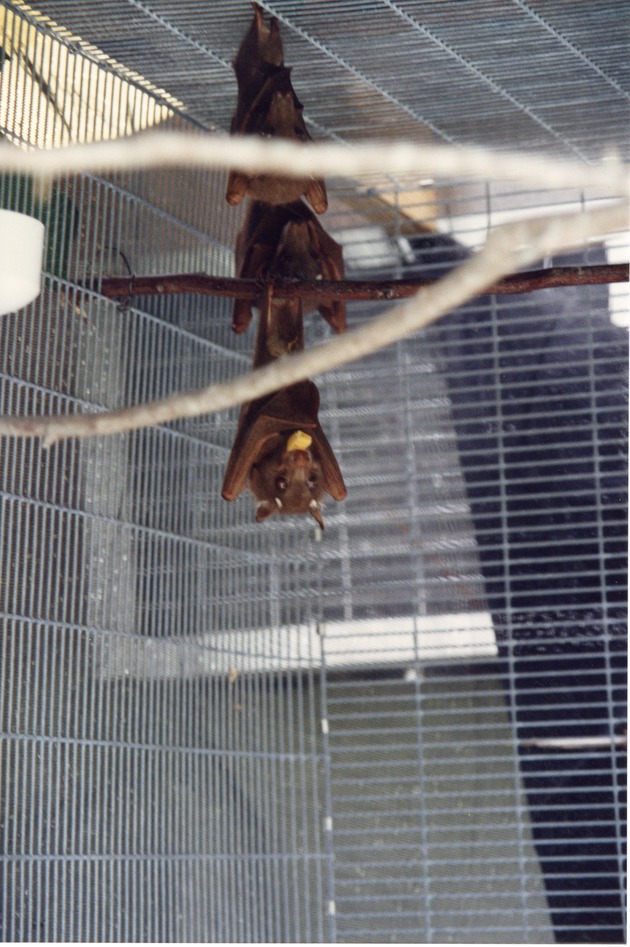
column 299, row 441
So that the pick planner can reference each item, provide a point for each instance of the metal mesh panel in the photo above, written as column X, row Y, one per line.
column 413, row 729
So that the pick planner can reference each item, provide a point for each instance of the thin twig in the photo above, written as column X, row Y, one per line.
column 124, row 287
column 510, row 247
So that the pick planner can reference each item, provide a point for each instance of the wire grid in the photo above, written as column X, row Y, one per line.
column 214, row 730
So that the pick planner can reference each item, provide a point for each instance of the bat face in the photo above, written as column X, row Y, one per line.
column 283, row 456
column 288, row 481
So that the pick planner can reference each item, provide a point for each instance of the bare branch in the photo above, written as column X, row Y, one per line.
column 178, row 149
column 508, row 248
column 125, row 287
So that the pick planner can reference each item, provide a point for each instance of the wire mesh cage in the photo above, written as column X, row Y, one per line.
column 413, row 729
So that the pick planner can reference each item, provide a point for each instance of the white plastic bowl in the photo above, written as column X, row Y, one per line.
column 21, row 252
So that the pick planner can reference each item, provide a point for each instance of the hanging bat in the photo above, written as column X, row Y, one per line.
column 268, row 106
column 287, row 241
column 281, row 452
column 258, row 59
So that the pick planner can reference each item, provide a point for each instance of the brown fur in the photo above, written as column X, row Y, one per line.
column 268, row 106
column 285, row 241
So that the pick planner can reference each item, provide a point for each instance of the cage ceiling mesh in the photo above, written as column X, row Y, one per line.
column 413, row 729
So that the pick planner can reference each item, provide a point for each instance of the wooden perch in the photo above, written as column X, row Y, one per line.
column 126, row 287
column 509, row 247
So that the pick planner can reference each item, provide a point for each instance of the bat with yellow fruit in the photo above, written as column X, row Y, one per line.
column 281, row 452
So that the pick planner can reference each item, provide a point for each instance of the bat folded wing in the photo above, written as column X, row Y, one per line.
column 262, row 427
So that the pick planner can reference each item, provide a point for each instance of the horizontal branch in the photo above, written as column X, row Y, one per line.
column 126, row 287
column 508, row 248
column 252, row 153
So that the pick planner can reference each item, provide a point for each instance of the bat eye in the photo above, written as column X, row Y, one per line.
column 281, row 484
column 311, row 483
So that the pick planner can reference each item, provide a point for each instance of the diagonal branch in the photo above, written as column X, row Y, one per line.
column 508, row 248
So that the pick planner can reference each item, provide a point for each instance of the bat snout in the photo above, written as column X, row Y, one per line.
column 298, row 459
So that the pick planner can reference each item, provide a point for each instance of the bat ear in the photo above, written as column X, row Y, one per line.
column 264, row 509
column 315, row 511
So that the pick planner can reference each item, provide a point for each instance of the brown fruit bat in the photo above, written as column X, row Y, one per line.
column 268, row 106
column 260, row 57
column 287, row 241
column 281, row 452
